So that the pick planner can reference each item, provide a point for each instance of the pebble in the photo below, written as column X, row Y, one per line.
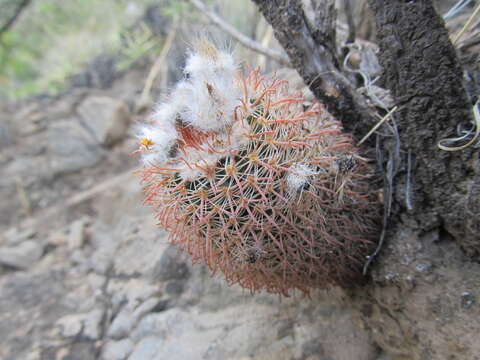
column 77, row 234
column 22, row 256
column 71, row 325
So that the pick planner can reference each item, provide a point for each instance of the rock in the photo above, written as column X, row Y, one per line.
column 15, row 236
column 6, row 133
column 78, row 257
column 121, row 325
column 70, row 147
column 77, row 234
column 117, row 350
column 147, row 250
column 145, row 308
column 149, row 349
column 174, row 288
column 170, row 266
column 96, row 281
column 92, row 324
column 127, row 318
column 27, row 168
column 105, row 247
column 101, row 73
column 70, row 325
column 80, row 350
column 107, row 119
column 22, row 256
column 88, row 324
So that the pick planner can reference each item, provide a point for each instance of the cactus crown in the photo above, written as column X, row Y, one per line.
column 251, row 183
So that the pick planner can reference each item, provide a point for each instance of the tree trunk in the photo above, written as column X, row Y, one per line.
column 421, row 69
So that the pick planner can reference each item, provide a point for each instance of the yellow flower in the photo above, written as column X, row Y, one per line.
column 146, row 142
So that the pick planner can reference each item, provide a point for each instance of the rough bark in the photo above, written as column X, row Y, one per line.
column 312, row 51
column 421, row 69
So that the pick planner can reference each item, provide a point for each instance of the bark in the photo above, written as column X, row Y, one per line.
column 312, row 52
column 421, row 69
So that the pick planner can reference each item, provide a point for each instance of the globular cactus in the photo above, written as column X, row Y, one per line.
column 250, row 183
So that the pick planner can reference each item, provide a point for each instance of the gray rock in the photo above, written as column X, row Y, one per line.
column 78, row 257
column 71, row 148
column 132, row 292
column 121, row 325
column 148, row 349
column 22, row 256
column 15, row 236
column 96, row 281
column 145, row 308
column 79, row 350
column 127, row 318
column 92, row 324
column 117, row 350
column 6, row 133
column 26, row 167
column 77, row 234
column 174, row 288
column 70, row 325
column 107, row 119
column 170, row 266
column 105, row 247
column 89, row 324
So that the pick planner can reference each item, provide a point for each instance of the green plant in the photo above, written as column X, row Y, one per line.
column 138, row 43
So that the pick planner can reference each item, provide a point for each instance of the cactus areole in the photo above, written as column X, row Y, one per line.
column 252, row 184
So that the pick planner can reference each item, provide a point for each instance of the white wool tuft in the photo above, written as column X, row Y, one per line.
column 165, row 114
column 205, row 99
column 162, row 138
column 299, row 176
column 209, row 93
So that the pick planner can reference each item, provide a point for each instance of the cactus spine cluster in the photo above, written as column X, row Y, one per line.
column 252, row 184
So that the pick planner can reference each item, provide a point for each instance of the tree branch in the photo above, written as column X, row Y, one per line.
column 312, row 51
column 350, row 21
column 241, row 38
column 21, row 6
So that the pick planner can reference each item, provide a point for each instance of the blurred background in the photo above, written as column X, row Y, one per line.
column 84, row 271
column 51, row 42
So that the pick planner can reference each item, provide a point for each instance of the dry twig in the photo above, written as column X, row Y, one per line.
column 157, row 66
column 20, row 8
column 467, row 24
column 241, row 38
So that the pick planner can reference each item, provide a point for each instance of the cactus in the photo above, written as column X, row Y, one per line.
column 252, row 184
